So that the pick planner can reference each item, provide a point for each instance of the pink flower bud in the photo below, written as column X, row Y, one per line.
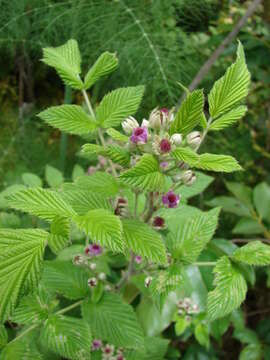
column 171, row 200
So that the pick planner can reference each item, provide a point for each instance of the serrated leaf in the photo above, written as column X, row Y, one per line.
column 66, row 279
column 145, row 175
column 68, row 337
column 59, row 235
column 21, row 255
column 202, row 334
column 66, row 60
column 144, row 241
column 100, row 182
column 230, row 290
column 114, row 152
column 32, row 309
column 45, row 204
column 186, row 155
column 189, row 114
column 53, row 176
column 228, row 118
column 231, row 88
column 82, row 201
column 117, row 136
column 217, row 163
column 118, row 105
column 114, row 321
column 31, row 180
column 192, row 235
column 9, row 191
column 24, row 348
column 254, row 253
column 69, row 118
column 102, row 227
column 105, row 64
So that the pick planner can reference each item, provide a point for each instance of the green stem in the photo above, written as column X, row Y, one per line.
column 205, row 263
column 88, row 103
column 70, row 307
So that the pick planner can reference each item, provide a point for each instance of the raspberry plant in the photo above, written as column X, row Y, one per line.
column 136, row 236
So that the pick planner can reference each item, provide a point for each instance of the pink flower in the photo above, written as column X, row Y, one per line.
column 164, row 164
column 93, row 250
column 158, row 222
column 165, row 146
column 139, row 135
column 138, row 259
column 171, row 200
column 96, row 344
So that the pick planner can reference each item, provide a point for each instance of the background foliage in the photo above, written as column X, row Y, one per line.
column 158, row 43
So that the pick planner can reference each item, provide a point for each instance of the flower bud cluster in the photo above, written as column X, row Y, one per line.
column 187, row 307
column 109, row 352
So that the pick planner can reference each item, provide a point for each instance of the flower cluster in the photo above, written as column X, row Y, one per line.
column 108, row 351
column 153, row 136
column 187, row 307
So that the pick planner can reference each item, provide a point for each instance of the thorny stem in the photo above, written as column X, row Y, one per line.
column 148, row 215
column 205, row 263
column 34, row 326
column 127, row 274
column 102, row 140
column 204, row 133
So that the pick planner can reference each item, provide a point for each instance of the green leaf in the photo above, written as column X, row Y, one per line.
column 21, row 255
column 66, row 60
column 145, row 175
column 53, row 176
column 228, row 118
column 32, row 309
column 3, row 336
column 189, row 114
column 101, row 183
column 252, row 351
column 254, row 253
column 144, row 241
column 102, row 227
column 114, row 321
column 231, row 88
column 218, row 163
column 114, row 152
column 105, row 64
column 202, row 334
column 230, row 290
column 241, row 192
column 181, row 325
column 10, row 190
column 45, row 204
column 82, row 201
column 119, row 104
column 64, row 278
column 59, row 235
column 201, row 183
column 24, row 348
column 68, row 337
column 69, row 118
column 247, row 226
column 211, row 162
column 230, row 204
column 246, row 336
column 186, row 155
column 31, row 180
column 77, row 172
column 261, row 198
column 117, row 136
column 192, row 235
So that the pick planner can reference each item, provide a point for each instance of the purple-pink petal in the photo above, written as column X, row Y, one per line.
column 139, row 135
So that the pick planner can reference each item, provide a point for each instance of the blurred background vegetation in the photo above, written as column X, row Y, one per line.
column 158, row 43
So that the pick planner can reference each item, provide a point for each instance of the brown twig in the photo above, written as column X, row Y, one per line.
column 239, row 241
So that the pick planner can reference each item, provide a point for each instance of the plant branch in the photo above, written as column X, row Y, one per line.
column 127, row 274
column 205, row 263
column 240, row 241
column 70, row 307
column 220, row 49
